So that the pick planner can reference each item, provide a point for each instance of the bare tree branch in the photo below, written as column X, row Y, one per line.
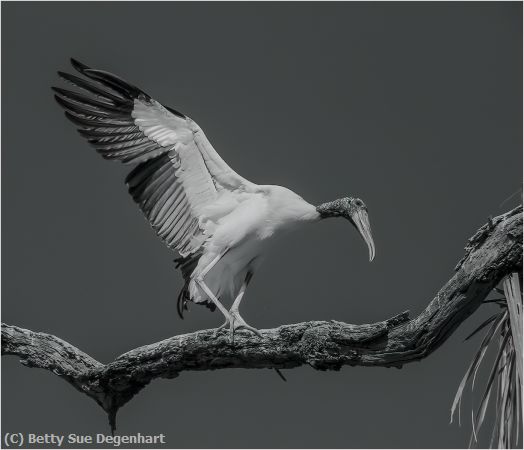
column 491, row 254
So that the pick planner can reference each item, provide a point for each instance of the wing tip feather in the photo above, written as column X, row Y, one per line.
column 80, row 67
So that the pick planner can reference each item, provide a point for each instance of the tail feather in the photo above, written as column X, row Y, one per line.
column 187, row 265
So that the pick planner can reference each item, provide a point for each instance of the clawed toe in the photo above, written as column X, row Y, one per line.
column 220, row 328
column 236, row 323
column 249, row 328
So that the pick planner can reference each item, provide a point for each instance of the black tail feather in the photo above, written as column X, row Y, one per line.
column 187, row 265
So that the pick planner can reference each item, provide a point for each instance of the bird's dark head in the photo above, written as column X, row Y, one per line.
column 354, row 210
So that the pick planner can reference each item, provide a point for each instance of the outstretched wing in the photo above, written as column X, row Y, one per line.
column 178, row 172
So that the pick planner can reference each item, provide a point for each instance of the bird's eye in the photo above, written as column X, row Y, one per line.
column 358, row 203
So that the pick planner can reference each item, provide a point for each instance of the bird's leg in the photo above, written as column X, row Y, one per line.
column 212, row 297
column 200, row 280
column 230, row 318
column 236, row 322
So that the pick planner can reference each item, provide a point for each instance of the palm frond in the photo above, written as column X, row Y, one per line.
column 481, row 412
column 514, row 301
column 475, row 363
column 505, row 377
column 482, row 326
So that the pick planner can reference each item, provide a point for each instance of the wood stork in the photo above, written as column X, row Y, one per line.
column 217, row 220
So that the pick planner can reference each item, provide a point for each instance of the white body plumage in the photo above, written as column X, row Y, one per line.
column 240, row 222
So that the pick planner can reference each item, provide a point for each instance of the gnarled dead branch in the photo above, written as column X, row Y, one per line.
column 491, row 254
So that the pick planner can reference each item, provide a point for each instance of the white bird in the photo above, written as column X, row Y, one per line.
column 218, row 221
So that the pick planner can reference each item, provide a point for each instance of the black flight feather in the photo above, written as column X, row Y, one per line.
column 83, row 109
column 92, row 88
column 83, row 99
column 80, row 67
column 96, row 136
column 116, row 83
column 91, row 122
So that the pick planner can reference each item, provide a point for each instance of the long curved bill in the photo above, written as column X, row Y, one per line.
column 361, row 221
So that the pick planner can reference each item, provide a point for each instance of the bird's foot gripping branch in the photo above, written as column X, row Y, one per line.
column 491, row 254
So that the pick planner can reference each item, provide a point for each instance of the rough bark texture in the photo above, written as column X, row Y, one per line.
column 491, row 254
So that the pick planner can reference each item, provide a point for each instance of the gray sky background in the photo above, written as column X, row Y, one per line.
column 415, row 108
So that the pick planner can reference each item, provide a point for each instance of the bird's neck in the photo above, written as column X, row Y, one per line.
column 330, row 209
